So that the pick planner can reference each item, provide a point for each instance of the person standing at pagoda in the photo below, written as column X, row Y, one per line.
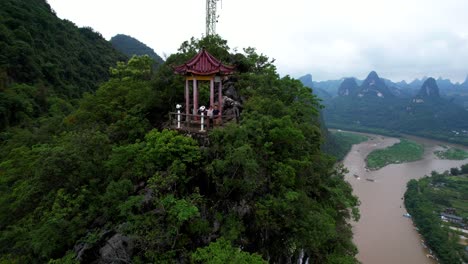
column 210, row 113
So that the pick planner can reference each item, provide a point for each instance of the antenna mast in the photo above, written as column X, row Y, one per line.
column 211, row 17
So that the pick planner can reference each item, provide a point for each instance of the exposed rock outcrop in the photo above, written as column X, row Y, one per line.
column 232, row 101
column 111, row 247
column 118, row 249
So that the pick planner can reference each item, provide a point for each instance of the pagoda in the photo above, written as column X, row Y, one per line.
column 203, row 67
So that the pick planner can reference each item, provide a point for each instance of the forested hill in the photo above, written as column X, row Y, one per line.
column 43, row 57
column 131, row 46
column 110, row 188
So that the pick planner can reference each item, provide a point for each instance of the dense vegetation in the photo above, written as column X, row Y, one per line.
column 426, row 198
column 262, row 186
column 404, row 151
column 131, row 46
column 345, row 141
column 45, row 62
column 452, row 154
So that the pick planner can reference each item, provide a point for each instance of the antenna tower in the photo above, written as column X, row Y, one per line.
column 211, row 17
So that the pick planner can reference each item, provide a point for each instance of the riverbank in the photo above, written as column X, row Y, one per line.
column 404, row 151
column 383, row 235
column 345, row 141
column 452, row 154
column 452, row 139
column 427, row 200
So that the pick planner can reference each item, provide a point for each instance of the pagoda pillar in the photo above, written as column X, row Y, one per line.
column 211, row 92
column 195, row 97
column 220, row 97
column 187, row 98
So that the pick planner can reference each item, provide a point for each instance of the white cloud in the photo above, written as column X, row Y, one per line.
column 400, row 39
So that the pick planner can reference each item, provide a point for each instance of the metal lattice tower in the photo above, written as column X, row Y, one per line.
column 211, row 17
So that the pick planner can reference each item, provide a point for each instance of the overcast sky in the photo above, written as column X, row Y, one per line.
column 400, row 39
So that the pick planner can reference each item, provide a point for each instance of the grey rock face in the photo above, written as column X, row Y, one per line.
column 118, row 249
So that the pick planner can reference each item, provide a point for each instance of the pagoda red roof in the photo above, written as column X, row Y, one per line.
column 204, row 64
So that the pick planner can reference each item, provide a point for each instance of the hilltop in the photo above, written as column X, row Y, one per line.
column 131, row 46
column 429, row 90
column 96, row 178
column 374, row 86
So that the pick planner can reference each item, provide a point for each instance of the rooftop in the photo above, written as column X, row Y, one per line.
column 452, row 216
column 204, row 64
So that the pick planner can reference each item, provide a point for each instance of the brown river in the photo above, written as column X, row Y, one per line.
column 382, row 234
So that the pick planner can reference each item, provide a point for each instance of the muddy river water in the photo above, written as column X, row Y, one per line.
column 382, row 234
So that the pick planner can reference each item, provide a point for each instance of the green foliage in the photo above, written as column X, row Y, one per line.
column 435, row 118
column 116, row 193
column 44, row 57
column 404, row 151
column 464, row 169
column 160, row 151
column 69, row 258
column 215, row 44
column 221, row 252
column 272, row 162
column 425, row 199
column 452, row 154
column 135, row 68
column 262, row 185
column 179, row 211
column 343, row 141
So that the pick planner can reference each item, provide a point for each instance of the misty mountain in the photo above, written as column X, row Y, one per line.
column 400, row 89
column 330, row 87
column 374, row 86
column 131, row 46
column 465, row 83
column 307, row 80
column 348, row 87
column 445, row 84
column 429, row 89
column 375, row 109
column 417, row 83
column 321, row 93
column 457, row 92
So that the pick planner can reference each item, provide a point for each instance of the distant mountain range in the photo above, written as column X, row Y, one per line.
column 455, row 92
column 379, row 105
column 400, row 89
column 131, row 46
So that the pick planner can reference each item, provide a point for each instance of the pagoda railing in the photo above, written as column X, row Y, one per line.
column 198, row 123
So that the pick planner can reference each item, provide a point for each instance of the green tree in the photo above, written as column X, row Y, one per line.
column 454, row 171
column 221, row 252
column 464, row 169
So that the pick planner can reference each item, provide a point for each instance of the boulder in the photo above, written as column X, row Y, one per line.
column 118, row 249
column 231, row 91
